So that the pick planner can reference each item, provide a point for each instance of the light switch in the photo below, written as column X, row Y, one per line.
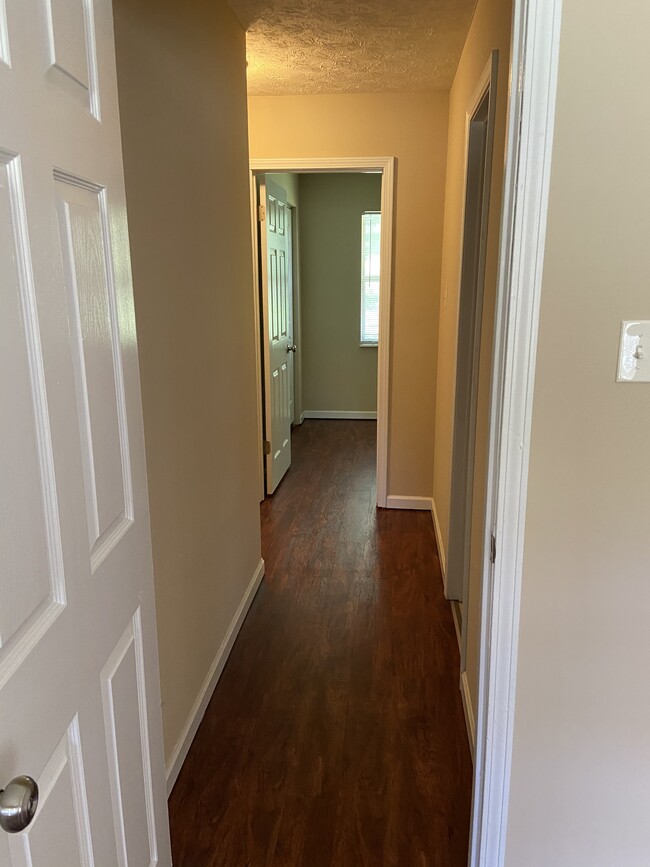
column 634, row 352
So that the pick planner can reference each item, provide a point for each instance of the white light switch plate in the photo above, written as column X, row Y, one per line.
column 634, row 352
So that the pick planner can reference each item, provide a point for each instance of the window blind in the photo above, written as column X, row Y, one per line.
column 370, row 263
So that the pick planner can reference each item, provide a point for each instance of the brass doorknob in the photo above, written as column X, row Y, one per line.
column 18, row 804
column 292, row 347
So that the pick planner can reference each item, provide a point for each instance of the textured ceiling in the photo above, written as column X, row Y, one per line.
column 343, row 46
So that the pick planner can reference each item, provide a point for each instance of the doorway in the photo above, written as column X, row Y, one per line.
column 320, row 316
column 264, row 198
column 478, row 163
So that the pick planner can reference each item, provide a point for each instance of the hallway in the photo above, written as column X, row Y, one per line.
column 335, row 735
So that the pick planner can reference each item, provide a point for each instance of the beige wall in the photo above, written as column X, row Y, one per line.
column 490, row 29
column 183, row 109
column 338, row 374
column 580, row 793
column 412, row 127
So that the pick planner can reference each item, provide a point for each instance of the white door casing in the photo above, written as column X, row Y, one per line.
column 276, row 307
column 386, row 166
column 79, row 691
column 529, row 146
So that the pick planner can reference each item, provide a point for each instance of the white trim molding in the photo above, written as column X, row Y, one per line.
column 442, row 556
column 531, row 116
column 468, row 710
column 420, row 504
column 338, row 413
column 193, row 721
column 385, row 166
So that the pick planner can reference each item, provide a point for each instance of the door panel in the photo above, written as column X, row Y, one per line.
column 72, row 50
column 33, row 586
column 62, row 833
column 127, row 732
column 276, row 287
column 79, row 691
column 92, row 313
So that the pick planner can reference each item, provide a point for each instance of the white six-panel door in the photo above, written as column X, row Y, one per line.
column 276, row 287
column 79, row 692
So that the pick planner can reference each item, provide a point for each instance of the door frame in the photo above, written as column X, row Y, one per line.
column 529, row 140
column 456, row 580
column 386, row 167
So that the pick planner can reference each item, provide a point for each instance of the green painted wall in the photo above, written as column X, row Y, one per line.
column 337, row 374
column 290, row 183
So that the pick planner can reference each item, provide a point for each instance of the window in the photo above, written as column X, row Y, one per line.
column 370, row 245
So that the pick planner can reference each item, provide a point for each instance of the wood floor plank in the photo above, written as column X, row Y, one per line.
column 335, row 736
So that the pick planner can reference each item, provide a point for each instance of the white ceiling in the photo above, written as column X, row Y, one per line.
column 344, row 46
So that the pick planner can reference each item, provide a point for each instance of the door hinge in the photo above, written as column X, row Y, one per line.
column 267, row 447
column 261, row 213
column 493, row 548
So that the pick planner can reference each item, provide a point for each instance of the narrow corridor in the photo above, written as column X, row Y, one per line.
column 335, row 735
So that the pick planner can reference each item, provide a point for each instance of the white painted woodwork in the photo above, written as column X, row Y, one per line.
column 63, row 809
column 67, row 39
column 529, row 146
column 79, row 691
column 72, row 50
column 276, row 300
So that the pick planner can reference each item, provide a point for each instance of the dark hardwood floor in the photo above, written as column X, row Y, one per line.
column 336, row 733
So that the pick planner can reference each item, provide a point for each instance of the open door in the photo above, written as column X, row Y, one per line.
column 81, row 753
column 276, row 336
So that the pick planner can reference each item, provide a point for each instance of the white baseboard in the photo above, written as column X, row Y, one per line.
column 441, row 548
column 421, row 504
column 470, row 722
column 337, row 413
column 302, row 417
column 205, row 693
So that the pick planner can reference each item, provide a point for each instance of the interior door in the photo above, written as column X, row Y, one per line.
column 278, row 343
column 291, row 355
column 79, row 692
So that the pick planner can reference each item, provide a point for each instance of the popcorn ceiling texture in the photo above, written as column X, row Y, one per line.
column 341, row 46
